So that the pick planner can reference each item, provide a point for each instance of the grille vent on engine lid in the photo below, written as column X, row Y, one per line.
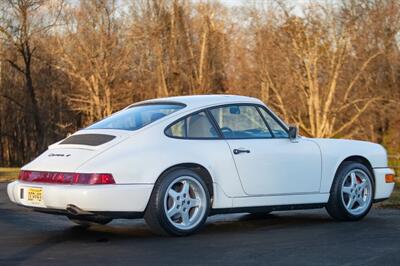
column 88, row 139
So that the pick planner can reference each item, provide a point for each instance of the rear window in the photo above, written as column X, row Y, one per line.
column 137, row 116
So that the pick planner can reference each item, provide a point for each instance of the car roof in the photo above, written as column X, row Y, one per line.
column 195, row 101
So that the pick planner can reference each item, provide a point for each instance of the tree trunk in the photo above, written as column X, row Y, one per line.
column 34, row 107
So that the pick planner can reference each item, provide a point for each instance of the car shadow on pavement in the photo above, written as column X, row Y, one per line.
column 260, row 221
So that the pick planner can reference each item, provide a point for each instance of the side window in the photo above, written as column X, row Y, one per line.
column 196, row 126
column 240, row 122
column 177, row 130
column 277, row 129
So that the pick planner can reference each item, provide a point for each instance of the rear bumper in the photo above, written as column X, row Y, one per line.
column 383, row 190
column 92, row 198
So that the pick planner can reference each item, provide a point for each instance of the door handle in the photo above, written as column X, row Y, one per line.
column 237, row 151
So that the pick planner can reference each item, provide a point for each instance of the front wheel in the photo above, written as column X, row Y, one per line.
column 352, row 192
column 179, row 204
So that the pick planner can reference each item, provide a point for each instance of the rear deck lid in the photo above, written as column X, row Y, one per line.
column 68, row 154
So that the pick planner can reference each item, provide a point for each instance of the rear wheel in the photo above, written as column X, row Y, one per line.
column 179, row 204
column 352, row 192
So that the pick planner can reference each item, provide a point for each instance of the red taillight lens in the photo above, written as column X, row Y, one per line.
column 95, row 179
column 24, row 175
column 66, row 178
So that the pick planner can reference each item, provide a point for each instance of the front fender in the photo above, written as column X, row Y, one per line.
column 335, row 151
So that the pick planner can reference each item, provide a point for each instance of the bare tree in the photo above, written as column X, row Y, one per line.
column 21, row 25
column 316, row 51
column 92, row 53
column 186, row 54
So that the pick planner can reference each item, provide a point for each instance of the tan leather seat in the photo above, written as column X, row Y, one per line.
column 199, row 127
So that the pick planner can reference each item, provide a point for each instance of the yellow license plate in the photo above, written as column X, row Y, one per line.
column 35, row 195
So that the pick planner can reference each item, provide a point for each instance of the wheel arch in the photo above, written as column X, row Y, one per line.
column 198, row 169
column 358, row 159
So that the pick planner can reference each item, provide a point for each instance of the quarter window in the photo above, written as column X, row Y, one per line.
column 277, row 129
column 240, row 122
column 177, row 130
column 196, row 126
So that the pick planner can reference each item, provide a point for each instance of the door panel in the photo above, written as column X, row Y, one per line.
column 267, row 162
column 277, row 166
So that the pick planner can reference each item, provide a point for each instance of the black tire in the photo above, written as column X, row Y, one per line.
column 335, row 205
column 155, row 214
column 88, row 222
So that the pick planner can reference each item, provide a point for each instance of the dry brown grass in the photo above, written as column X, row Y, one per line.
column 8, row 174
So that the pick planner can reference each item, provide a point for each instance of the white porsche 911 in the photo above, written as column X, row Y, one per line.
column 175, row 161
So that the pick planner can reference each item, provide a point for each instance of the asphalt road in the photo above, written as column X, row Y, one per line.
column 285, row 238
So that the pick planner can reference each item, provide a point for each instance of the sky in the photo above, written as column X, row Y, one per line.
column 241, row 2
column 237, row 3
column 296, row 3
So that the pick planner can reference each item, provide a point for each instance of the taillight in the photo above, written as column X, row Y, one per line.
column 94, row 179
column 66, row 178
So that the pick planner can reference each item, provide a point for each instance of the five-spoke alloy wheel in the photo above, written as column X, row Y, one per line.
column 356, row 191
column 184, row 202
column 179, row 204
column 352, row 192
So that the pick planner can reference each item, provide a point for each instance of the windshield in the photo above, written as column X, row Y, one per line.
column 136, row 117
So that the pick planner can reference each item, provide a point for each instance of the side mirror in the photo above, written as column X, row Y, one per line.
column 293, row 132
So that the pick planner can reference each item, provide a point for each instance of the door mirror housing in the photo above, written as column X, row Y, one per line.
column 293, row 132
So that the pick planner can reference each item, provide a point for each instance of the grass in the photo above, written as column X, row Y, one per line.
column 8, row 174
column 394, row 200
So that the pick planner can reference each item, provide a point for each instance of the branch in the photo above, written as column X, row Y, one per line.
column 14, row 101
column 14, row 65
column 5, row 32
column 72, row 74
column 333, row 83
column 357, row 77
column 352, row 120
column 347, row 105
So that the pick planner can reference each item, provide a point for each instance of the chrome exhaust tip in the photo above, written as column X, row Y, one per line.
column 76, row 211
